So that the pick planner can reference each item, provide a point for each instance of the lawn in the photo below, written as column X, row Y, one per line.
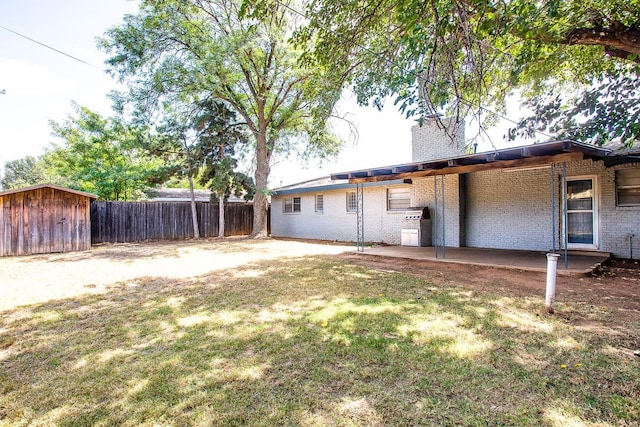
column 305, row 339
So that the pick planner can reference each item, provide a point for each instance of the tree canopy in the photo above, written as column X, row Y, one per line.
column 178, row 52
column 221, row 137
column 102, row 156
column 576, row 59
column 26, row 172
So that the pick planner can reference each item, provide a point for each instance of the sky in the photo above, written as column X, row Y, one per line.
column 41, row 84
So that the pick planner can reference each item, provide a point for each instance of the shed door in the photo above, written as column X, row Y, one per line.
column 581, row 213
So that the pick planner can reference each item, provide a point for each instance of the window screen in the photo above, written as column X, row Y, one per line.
column 352, row 202
column 291, row 204
column 398, row 199
column 628, row 187
column 319, row 203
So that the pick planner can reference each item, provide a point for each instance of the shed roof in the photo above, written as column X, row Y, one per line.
column 523, row 156
column 55, row 187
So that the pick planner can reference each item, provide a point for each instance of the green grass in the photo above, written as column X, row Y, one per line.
column 310, row 341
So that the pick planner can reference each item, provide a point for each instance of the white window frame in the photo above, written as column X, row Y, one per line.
column 291, row 201
column 352, row 205
column 595, row 209
column 398, row 190
column 635, row 187
column 319, row 203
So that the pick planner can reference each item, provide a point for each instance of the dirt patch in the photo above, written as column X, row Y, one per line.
column 36, row 279
column 609, row 299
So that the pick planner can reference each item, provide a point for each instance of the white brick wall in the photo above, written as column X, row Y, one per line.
column 509, row 210
column 512, row 210
column 422, row 194
column 431, row 142
column 335, row 223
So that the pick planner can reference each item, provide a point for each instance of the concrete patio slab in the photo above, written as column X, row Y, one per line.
column 578, row 263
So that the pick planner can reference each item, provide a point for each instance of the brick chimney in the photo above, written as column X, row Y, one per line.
column 437, row 139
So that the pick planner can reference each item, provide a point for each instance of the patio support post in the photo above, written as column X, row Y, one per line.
column 444, row 254
column 564, row 213
column 553, row 210
column 360, row 216
column 435, row 216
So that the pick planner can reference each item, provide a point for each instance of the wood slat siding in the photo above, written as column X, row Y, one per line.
column 122, row 222
column 44, row 220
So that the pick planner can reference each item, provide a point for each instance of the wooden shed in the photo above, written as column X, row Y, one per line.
column 44, row 219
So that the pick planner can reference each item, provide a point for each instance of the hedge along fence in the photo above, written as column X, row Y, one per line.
column 120, row 222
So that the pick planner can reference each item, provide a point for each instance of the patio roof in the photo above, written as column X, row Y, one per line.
column 516, row 157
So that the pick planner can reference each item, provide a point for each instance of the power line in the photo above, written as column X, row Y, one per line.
column 49, row 47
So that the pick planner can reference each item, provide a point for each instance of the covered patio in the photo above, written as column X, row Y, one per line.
column 569, row 228
column 579, row 263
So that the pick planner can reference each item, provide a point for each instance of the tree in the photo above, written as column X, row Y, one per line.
column 220, row 134
column 102, row 155
column 605, row 111
column 199, row 136
column 465, row 55
column 176, row 144
column 223, row 180
column 26, row 172
column 181, row 51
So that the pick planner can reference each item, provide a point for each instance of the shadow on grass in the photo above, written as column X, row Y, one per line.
column 307, row 341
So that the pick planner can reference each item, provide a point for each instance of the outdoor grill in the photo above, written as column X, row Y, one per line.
column 415, row 228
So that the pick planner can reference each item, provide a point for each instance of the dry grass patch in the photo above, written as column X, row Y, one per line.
column 305, row 341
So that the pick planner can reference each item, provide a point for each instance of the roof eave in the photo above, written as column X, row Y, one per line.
column 512, row 157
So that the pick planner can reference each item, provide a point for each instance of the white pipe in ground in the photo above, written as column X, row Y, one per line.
column 552, row 268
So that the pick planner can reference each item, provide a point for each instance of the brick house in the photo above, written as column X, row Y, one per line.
column 539, row 197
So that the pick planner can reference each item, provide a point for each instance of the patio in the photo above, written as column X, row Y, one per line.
column 578, row 262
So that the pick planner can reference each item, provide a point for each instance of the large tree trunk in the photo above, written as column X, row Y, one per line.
column 260, row 202
column 194, row 212
column 220, row 217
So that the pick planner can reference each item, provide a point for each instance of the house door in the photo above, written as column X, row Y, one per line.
column 581, row 227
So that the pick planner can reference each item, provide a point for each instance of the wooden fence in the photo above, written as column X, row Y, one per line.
column 119, row 222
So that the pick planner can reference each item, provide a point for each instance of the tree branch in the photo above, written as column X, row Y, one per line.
column 621, row 42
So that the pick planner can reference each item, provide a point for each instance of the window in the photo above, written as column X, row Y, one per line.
column 628, row 187
column 291, row 205
column 319, row 203
column 398, row 199
column 352, row 202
